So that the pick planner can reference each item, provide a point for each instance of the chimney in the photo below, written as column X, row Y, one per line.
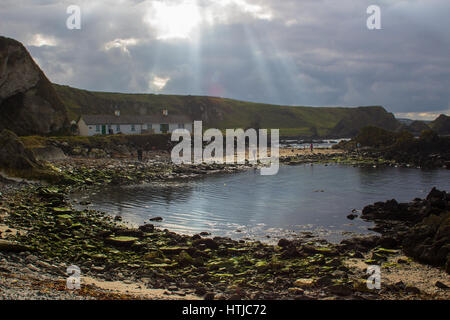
column 165, row 112
column 117, row 113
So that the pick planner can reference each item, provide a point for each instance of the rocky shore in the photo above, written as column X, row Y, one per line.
column 428, row 151
column 352, row 158
column 43, row 234
column 421, row 228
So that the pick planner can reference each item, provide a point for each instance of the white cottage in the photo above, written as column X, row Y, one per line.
column 90, row 125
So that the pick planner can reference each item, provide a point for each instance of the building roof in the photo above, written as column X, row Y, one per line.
column 112, row 119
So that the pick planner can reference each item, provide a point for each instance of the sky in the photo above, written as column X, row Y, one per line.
column 289, row 52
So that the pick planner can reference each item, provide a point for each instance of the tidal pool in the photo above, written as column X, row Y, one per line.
column 303, row 198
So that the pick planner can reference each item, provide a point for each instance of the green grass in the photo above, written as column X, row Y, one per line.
column 215, row 112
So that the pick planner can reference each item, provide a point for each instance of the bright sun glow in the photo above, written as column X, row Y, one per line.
column 158, row 83
column 174, row 20
column 40, row 40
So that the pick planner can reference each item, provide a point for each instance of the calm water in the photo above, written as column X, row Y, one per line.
column 300, row 198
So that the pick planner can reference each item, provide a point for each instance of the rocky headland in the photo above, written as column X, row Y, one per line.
column 28, row 102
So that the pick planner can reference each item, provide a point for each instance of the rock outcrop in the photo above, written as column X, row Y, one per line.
column 28, row 102
column 14, row 155
column 422, row 227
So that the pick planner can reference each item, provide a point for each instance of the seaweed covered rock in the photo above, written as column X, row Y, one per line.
column 13, row 154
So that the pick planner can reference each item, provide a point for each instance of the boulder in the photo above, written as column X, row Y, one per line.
column 304, row 283
column 28, row 102
column 284, row 243
column 208, row 243
column 14, row 155
column 122, row 241
column 437, row 199
column 147, row 228
column 361, row 243
column 50, row 153
column 429, row 240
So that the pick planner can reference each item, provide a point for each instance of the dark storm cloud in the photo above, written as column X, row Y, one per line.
column 311, row 52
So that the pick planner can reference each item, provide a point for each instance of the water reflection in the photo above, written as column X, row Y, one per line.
column 298, row 198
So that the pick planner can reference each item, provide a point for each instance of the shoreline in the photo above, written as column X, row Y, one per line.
column 180, row 266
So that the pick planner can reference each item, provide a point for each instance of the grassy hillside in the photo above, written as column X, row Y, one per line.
column 441, row 125
column 222, row 113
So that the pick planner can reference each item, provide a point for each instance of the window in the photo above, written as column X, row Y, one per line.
column 97, row 128
column 133, row 128
column 118, row 128
column 181, row 126
column 149, row 126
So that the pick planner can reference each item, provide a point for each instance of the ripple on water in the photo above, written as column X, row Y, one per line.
column 247, row 205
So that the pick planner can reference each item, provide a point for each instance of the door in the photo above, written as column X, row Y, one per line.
column 103, row 129
column 164, row 127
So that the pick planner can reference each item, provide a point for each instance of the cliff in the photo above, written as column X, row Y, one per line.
column 28, row 101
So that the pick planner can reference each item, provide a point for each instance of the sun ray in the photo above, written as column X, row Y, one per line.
column 173, row 21
column 261, row 66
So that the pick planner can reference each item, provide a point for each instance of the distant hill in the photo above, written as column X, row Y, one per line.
column 359, row 118
column 28, row 101
column 415, row 127
column 225, row 113
column 441, row 125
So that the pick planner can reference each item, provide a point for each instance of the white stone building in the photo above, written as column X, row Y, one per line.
column 90, row 125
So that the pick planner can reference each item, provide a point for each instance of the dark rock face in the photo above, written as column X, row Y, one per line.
column 28, row 102
column 429, row 241
column 360, row 244
column 421, row 228
column 391, row 210
column 13, row 154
